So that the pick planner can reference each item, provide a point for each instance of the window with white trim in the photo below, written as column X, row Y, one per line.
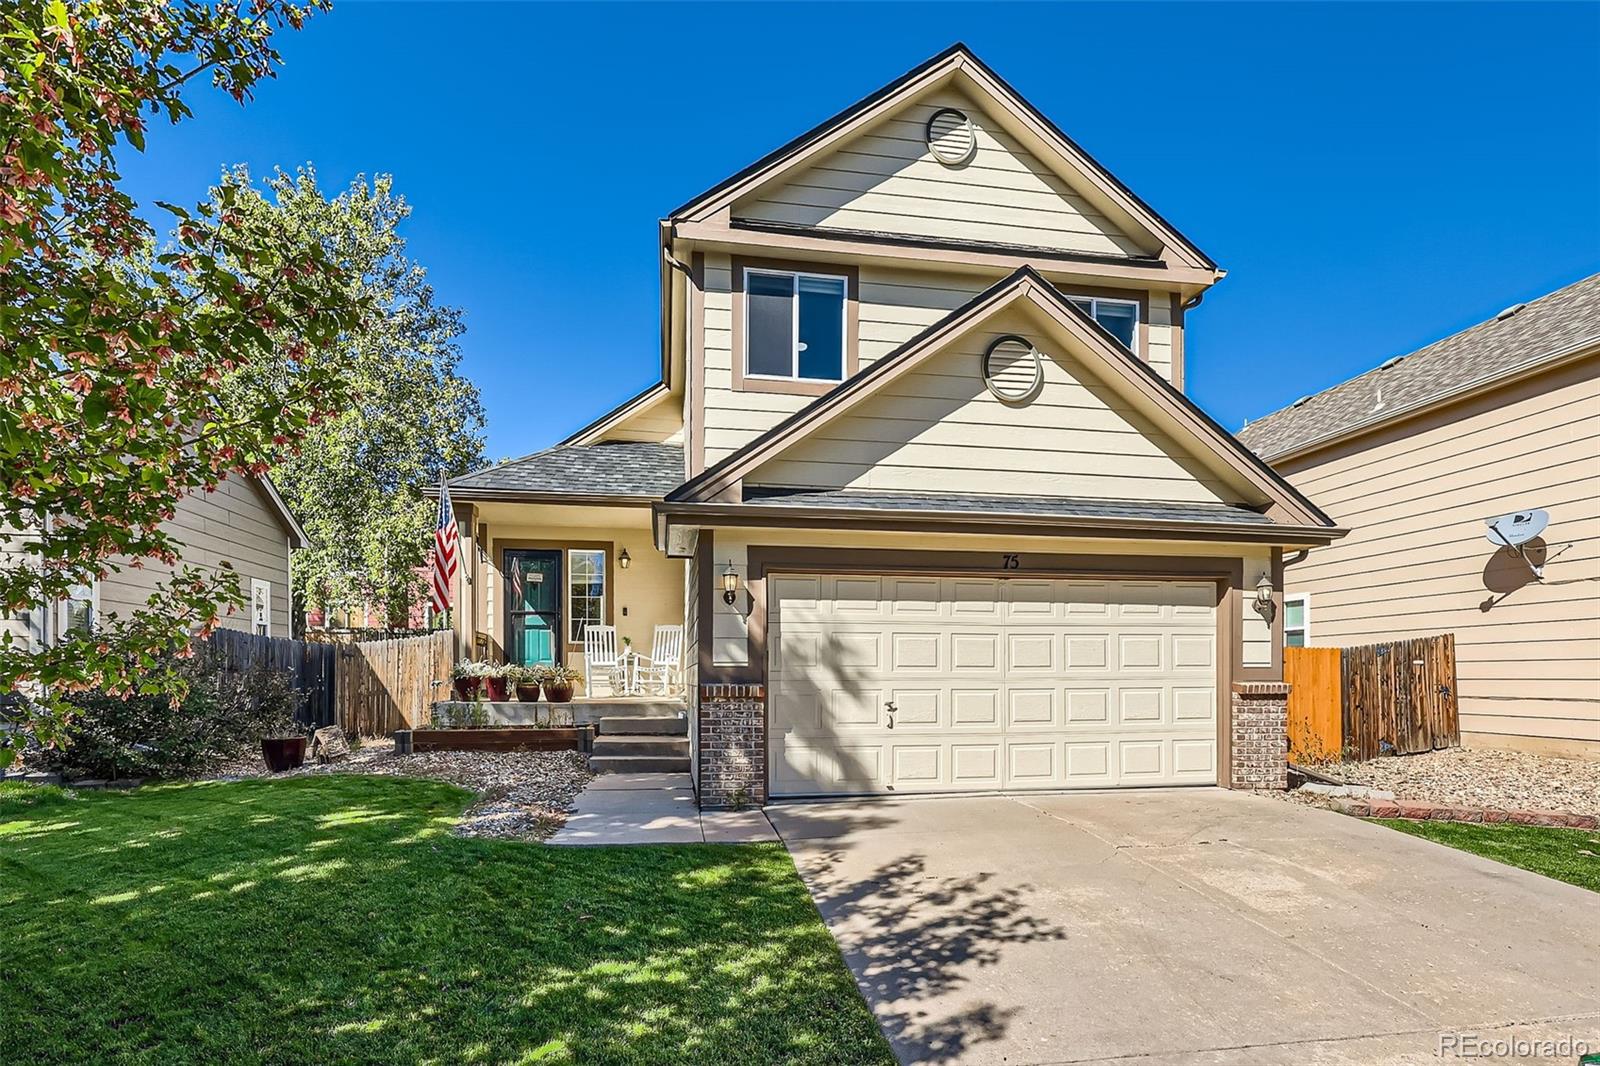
column 586, row 591
column 1120, row 318
column 261, row 607
column 76, row 611
column 794, row 325
column 1297, row 620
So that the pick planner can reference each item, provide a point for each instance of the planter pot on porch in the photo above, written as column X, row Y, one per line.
column 558, row 691
column 528, row 691
column 494, row 689
column 467, row 688
column 283, row 753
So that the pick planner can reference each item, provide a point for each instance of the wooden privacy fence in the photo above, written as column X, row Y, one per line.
column 371, row 688
column 1377, row 699
column 310, row 667
column 384, row 685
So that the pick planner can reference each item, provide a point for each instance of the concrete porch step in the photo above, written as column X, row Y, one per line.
column 639, row 764
column 642, row 745
column 631, row 725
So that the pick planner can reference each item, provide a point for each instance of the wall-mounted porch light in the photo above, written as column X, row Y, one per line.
column 1264, row 595
column 730, row 584
column 623, row 560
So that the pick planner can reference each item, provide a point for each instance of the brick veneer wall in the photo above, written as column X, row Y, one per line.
column 1260, row 735
column 733, row 745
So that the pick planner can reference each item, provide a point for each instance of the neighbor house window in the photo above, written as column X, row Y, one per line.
column 1119, row 317
column 260, row 607
column 586, row 591
column 794, row 325
column 77, row 611
column 1296, row 620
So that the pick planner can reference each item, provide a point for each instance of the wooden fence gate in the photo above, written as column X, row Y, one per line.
column 386, row 685
column 1377, row 699
column 310, row 667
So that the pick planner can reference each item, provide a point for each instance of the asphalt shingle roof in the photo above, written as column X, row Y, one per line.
column 612, row 468
column 959, row 503
column 1561, row 322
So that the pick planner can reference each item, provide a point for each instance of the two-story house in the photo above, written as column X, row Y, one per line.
column 919, row 477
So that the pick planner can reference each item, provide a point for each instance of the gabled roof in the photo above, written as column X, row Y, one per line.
column 626, row 471
column 1119, row 365
column 1565, row 324
column 298, row 536
column 957, row 61
column 627, row 407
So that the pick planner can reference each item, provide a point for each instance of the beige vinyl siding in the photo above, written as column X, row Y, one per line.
column 895, row 304
column 235, row 524
column 660, row 421
column 938, row 427
column 1416, row 561
column 885, row 180
column 27, row 626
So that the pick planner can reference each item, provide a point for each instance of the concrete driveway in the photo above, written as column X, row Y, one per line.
column 1187, row 926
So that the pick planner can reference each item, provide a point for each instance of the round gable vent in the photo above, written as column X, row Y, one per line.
column 1013, row 369
column 951, row 137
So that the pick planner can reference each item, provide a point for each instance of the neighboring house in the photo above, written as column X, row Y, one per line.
column 244, row 524
column 1414, row 457
column 919, row 477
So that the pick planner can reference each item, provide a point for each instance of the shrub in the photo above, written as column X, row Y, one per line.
column 147, row 736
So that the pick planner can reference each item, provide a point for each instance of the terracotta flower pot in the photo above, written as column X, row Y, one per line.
column 558, row 691
column 467, row 688
column 494, row 689
column 283, row 753
column 528, row 691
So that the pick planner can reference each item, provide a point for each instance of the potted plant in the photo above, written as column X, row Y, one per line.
column 283, row 746
column 558, row 682
column 525, row 680
column 468, row 677
column 494, row 683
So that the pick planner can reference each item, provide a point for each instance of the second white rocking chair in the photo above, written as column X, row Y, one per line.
column 661, row 671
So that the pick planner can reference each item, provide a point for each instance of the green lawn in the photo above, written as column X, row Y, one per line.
column 1570, row 855
column 336, row 919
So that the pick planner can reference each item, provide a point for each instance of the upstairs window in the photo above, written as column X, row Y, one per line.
column 794, row 325
column 1120, row 318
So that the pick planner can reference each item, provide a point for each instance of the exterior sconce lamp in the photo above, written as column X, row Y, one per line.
column 1264, row 595
column 623, row 560
column 730, row 584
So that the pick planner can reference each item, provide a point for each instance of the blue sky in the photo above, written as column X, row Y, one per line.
column 1372, row 176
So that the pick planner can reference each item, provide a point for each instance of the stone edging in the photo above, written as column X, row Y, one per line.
column 1414, row 810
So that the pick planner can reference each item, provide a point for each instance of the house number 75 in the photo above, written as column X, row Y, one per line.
column 1008, row 562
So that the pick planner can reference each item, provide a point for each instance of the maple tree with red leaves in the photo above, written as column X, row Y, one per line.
column 113, row 347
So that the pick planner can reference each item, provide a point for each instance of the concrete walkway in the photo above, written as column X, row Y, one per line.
column 655, row 809
column 1178, row 927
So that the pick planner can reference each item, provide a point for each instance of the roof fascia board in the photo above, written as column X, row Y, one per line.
column 1488, row 383
column 953, row 61
column 297, row 532
column 908, row 520
column 1027, row 284
column 627, row 407
column 892, row 248
column 573, row 499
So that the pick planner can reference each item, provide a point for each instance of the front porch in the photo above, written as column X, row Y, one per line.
column 633, row 734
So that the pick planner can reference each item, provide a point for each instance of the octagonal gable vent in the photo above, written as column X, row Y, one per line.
column 951, row 137
column 1013, row 369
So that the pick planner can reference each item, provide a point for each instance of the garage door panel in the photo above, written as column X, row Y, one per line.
column 1024, row 683
column 1031, row 708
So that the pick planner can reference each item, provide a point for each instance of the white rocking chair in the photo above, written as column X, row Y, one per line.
column 600, row 657
column 662, row 669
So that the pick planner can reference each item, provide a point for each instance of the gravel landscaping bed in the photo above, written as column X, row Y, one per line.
column 1476, row 777
column 523, row 795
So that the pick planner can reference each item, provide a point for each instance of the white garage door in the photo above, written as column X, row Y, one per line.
column 947, row 684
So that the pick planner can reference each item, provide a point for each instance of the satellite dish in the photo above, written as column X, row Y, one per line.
column 1514, row 529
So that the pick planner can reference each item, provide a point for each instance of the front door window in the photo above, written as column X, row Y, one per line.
column 533, row 607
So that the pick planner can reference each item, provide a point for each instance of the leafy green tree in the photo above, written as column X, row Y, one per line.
column 355, row 481
column 109, row 402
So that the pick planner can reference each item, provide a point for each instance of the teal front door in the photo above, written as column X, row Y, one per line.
column 533, row 606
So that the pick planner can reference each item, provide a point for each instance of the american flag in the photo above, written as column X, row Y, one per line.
column 446, row 550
